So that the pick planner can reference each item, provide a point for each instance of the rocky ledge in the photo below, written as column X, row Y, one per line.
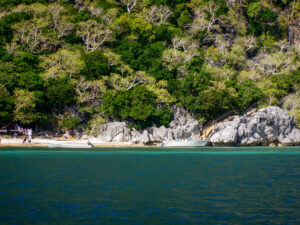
column 182, row 126
column 268, row 126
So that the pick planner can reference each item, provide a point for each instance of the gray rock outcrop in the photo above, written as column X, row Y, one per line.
column 268, row 126
column 114, row 131
column 182, row 126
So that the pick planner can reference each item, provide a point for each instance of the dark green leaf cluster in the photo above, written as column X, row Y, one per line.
column 136, row 106
column 71, row 122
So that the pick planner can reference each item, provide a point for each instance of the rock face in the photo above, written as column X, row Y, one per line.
column 114, row 131
column 268, row 126
column 182, row 126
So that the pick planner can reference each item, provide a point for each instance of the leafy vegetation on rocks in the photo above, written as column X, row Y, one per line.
column 131, row 60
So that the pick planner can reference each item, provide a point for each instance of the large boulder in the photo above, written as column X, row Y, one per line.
column 225, row 134
column 142, row 137
column 183, row 126
column 271, row 125
column 114, row 131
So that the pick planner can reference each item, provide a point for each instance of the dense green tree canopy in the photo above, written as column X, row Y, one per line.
column 131, row 60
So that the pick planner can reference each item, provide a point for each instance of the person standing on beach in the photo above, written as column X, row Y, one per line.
column 29, row 140
column 29, row 132
column 24, row 139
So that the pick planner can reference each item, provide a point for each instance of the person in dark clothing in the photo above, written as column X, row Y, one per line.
column 24, row 139
column 89, row 143
column 29, row 141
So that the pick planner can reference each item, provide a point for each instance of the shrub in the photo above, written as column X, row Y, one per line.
column 71, row 122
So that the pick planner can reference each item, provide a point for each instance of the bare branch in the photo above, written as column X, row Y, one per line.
column 130, row 4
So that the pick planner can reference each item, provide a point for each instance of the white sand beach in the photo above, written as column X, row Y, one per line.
column 43, row 142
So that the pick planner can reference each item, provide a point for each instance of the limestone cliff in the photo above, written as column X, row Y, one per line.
column 182, row 126
column 271, row 125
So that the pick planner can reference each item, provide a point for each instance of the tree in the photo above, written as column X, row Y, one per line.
column 135, row 29
column 223, row 73
column 8, row 76
column 55, row 12
column 59, row 92
column 185, row 43
column 26, row 62
column 6, row 106
column 94, row 124
column 69, row 123
column 90, row 92
column 94, row 34
column 96, row 65
column 157, row 15
column 247, row 92
column 24, row 111
column 29, row 33
column 36, row 9
column 159, row 89
column 292, row 103
column 32, row 33
column 30, row 81
column 139, row 77
column 3, row 91
column 175, row 59
column 262, row 18
column 204, row 97
column 185, row 18
column 214, row 57
column 207, row 14
column 277, row 63
column 63, row 63
column 126, row 83
column 6, row 23
column 136, row 106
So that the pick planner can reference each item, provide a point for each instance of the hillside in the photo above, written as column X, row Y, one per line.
column 69, row 64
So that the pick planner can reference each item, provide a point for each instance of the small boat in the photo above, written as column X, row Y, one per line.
column 185, row 143
column 68, row 145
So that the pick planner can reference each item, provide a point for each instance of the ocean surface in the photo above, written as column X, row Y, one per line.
column 150, row 186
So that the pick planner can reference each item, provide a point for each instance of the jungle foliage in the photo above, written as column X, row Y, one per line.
column 84, row 62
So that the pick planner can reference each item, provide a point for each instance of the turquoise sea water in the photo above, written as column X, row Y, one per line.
column 150, row 186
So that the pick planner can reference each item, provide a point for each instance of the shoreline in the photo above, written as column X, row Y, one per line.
column 43, row 142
